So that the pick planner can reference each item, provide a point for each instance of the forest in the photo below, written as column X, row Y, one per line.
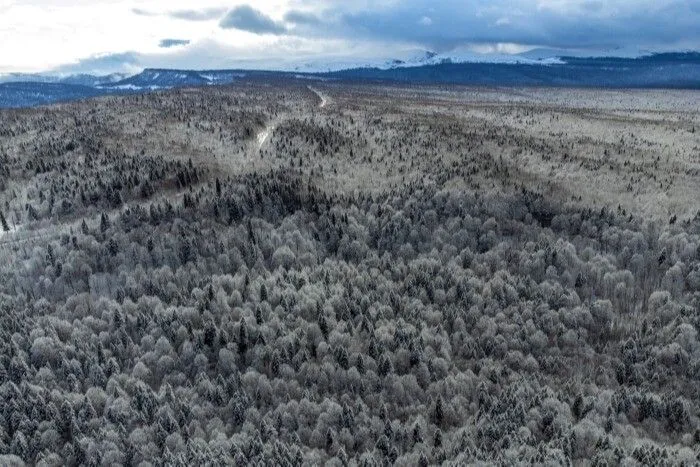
column 271, row 274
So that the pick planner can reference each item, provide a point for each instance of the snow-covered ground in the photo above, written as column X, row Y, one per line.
column 9, row 237
column 410, row 58
column 3, row 232
column 264, row 134
column 133, row 87
column 323, row 97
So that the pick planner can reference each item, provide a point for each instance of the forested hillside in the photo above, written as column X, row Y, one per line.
column 242, row 275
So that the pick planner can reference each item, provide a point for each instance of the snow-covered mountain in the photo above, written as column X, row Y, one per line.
column 538, row 68
column 411, row 58
column 81, row 79
column 616, row 52
column 163, row 79
column 465, row 56
column 152, row 78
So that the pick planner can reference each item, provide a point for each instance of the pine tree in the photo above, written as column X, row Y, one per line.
column 323, row 326
column 577, row 407
column 104, row 222
column 343, row 457
column 275, row 362
column 209, row 334
column 439, row 414
column 50, row 255
column 242, row 337
column 343, row 358
column 385, row 366
column 112, row 247
column 66, row 421
column 360, row 365
column 417, row 436
column 19, row 446
column 329, row 440
column 437, row 440
column 3, row 223
column 32, row 213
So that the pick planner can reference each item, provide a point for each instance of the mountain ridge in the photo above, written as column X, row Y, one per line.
column 667, row 70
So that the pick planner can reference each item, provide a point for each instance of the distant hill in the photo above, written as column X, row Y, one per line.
column 654, row 71
column 82, row 79
column 152, row 78
column 30, row 94
column 669, row 70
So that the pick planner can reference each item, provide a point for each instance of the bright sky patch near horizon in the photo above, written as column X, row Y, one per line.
column 101, row 36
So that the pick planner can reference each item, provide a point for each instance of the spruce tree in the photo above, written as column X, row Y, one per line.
column 242, row 337
column 3, row 223
column 104, row 223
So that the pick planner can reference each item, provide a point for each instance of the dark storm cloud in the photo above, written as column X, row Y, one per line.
column 449, row 23
column 246, row 18
column 167, row 43
column 142, row 12
column 301, row 17
column 104, row 64
column 205, row 14
column 198, row 15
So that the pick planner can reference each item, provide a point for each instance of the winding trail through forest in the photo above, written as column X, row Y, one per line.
column 324, row 98
column 261, row 138
column 263, row 135
column 17, row 235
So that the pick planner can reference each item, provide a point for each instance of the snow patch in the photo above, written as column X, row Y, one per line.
column 408, row 59
column 13, row 229
column 134, row 87
column 324, row 99
column 264, row 134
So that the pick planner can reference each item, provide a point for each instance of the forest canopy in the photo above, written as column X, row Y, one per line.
column 159, row 306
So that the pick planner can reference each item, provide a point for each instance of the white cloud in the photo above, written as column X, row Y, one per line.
column 44, row 34
column 425, row 21
column 38, row 35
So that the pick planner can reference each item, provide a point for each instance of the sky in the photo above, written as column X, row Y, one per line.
column 103, row 36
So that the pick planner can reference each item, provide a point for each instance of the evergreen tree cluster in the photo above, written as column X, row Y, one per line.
column 268, row 317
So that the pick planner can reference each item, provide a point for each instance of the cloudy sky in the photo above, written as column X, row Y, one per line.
column 127, row 35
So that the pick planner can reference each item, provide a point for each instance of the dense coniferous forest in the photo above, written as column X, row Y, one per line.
column 271, row 274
